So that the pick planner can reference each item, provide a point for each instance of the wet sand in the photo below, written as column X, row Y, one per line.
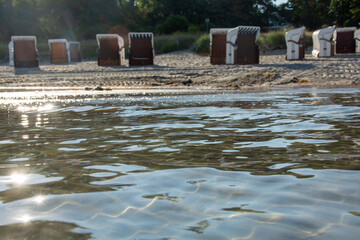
column 188, row 70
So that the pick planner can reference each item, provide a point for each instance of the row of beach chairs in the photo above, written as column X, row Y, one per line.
column 326, row 42
column 227, row 46
column 111, row 50
column 23, row 51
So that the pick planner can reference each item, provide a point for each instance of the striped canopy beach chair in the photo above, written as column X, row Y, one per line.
column 74, row 49
column 25, row 51
column 111, row 51
column 295, row 49
column 357, row 40
column 323, row 46
column 59, row 51
column 141, row 48
column 234, row 46
column 344, row 40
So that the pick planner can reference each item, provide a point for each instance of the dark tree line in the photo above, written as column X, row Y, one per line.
column 82, row 19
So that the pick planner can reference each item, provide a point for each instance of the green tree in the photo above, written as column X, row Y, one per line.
column 346, row 12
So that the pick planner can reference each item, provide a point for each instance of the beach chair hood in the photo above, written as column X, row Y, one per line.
column 99, row 37
column 344, row 40
column 24, row 50
column 322, row 41
column 144, row 35
column 20, row 38
column 294, row 48
column 120, row 41
column 231, row 39
column 139, row 48
column 50, row 41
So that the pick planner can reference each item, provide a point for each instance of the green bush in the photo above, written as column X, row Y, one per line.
column 4, row 52
column 193, row 29
column 169, row 46
column 174, row 23
column 202, row 45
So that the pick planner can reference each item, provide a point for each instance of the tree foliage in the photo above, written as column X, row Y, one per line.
column 315, row 13
column 82, row 19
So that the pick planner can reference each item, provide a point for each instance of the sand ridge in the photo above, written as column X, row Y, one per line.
column 186, row 69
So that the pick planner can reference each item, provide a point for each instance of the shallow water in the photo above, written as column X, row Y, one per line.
column 262, row 165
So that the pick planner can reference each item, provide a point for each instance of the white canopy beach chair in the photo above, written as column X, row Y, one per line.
column 25, row 51
column 11, row 53
column 235, row 45
column 294, row 45
column 59, row 51
column 141, row 48
column 111, row 50
column 357, row 40
column 344, row 40
column 323, row 46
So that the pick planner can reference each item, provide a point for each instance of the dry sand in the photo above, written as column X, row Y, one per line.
column 188, row 70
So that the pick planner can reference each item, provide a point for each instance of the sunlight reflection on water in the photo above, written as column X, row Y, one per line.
column 265, row 165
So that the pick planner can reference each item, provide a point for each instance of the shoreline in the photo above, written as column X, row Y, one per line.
column 187, row 70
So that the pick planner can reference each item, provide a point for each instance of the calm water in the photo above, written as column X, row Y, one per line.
column 266, row 165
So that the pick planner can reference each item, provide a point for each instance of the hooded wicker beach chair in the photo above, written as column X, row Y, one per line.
column 357, row 40
column 323, row 46
column 344, row 40
column 59, row 51
column 11, row 53
column 111, row 51
column 235, row 46
column 141, row 48
column 25, row 51
column 74, row 49
column 294, row 44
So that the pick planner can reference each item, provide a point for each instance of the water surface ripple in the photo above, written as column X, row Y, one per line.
column 280, row 164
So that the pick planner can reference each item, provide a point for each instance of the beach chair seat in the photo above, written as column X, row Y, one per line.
column 74, row 49
column 110, row 50
column 357, row 40
column 141, row 48
column 344, row 40
column 234, row 46
column 323, row 46
column 59, row 51
column 295, row 49
column 25, row 51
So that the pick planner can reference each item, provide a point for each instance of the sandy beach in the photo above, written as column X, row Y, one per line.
column 188, row 70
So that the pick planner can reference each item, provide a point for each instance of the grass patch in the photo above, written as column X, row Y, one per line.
column 175, row 42
column 202, row 45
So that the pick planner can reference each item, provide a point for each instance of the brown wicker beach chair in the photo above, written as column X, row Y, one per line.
column 59, row 51
column 344, row 40
column 25, row 51
column 141, row 48
column 218, row 45
column 74, row 49
column 234, row 46
column 110, row 50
